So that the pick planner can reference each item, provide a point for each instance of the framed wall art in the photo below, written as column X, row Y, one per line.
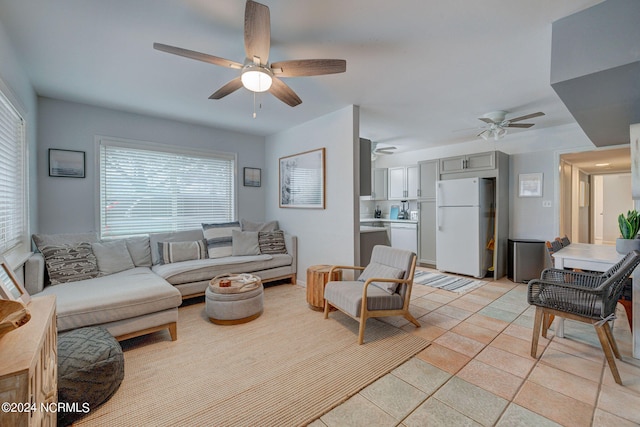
column 10, row 288
column 530, row 185
column 252, row 177
column 66, row 163
column 302, row 180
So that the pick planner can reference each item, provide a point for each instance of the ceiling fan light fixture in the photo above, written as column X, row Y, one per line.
column 256, row 78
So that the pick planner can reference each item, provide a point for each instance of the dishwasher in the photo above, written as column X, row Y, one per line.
column 404, row 236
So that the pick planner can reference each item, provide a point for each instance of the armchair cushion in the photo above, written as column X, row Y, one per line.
column 347, row 296
column 381, row 271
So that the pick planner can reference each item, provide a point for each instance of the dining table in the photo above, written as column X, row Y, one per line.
column 588, row 257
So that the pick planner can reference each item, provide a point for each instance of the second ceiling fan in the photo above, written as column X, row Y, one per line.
column 498, row 123
column 257, row 75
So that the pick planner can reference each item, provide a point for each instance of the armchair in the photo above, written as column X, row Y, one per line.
column 581, row 296
column 383, row 288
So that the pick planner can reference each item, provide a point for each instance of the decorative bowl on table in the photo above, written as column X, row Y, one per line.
column 13, row 314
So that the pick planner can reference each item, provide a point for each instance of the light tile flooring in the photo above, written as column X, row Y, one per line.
column 479, row 371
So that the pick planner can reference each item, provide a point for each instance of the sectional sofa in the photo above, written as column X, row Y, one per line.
column 134, row 286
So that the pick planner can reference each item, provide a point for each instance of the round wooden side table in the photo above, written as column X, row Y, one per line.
column 317, row 277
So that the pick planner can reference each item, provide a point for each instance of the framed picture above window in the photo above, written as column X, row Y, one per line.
column 252, row 177
column 530, row 184
column 302, row 180
column 66, row 163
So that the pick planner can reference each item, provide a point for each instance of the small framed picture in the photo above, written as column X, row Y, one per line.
column 66, row 163
column 530, row 185
column 252, row 177
column 10, row 288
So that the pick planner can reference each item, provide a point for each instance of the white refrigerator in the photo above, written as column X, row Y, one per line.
column 464, row 226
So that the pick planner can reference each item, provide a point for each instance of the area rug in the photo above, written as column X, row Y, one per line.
column 447, row 282
column 286, row 368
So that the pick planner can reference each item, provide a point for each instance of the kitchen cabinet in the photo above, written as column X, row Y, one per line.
column 379, row 184
column 365, row 167
column 403, row 183
column 429, row 174
column 468, row 163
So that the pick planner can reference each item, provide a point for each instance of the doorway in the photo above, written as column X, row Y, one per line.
column 595, row 187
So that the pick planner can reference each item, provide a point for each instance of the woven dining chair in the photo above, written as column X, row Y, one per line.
column 585, row 297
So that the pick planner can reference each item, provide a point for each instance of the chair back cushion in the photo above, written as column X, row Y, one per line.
column 399, row 259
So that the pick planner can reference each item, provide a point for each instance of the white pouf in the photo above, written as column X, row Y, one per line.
column 234, row 308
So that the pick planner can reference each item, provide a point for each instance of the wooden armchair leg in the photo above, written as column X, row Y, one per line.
column 363, row 322
column 326, row 309
column 412, row 319
column 612, row 340
column 606, row 347
column 537, row 324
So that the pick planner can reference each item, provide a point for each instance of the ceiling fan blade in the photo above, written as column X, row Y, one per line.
column 284, row 93
column 519, row 125
column 308, row 67
column 228, row 88
column 197, row 55
column 487, row 120
column 257, row 31
column 528, row 116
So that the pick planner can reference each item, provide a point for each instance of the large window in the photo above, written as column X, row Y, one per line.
column 13, row 194
column 151, row 188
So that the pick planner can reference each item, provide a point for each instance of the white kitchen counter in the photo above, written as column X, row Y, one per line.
column 369, row 229
column 387, row 220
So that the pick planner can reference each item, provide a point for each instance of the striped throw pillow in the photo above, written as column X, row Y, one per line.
column 181, row 251
column 219, row 238
column 272, row 242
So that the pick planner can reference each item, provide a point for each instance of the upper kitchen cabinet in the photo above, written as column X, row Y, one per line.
column 403, row 182
column 365, row 168
column 379, row 184
column 468, row 163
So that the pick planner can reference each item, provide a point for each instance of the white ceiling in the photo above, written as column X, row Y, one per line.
column 422, row 71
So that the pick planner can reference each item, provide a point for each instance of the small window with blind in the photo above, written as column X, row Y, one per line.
column 13, row 194
column 147, row 188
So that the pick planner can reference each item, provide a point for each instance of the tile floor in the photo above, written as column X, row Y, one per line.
column 478, row 371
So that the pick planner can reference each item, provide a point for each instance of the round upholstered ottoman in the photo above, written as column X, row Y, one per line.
column 239, row 301
column 90, row 370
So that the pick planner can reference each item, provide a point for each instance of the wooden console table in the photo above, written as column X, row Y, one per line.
column 317, row 277
column 29, row 368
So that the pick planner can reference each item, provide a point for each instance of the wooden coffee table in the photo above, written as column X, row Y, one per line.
column 317, row 277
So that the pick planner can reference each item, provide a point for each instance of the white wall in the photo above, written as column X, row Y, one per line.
column 15, row 84
column 325, row 236
column 531, row 151
column 69, row 204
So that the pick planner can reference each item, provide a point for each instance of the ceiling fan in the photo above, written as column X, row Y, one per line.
column 377, row 150
column 256, row 74
column 498, row 123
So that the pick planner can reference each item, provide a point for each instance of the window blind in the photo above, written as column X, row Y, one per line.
column 12, row 177
column 145, row 190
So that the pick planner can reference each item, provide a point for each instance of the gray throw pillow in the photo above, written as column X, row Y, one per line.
column 381, row 271
column 70, row 263
column 140, row 250
column 245, row 243
column 272, row 242
column 247, row 225
column 181, row 251
column 113, row 256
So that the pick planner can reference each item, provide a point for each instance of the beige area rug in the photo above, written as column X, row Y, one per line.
column 285, row 368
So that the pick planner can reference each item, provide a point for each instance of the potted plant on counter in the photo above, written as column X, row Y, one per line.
column 629, row 227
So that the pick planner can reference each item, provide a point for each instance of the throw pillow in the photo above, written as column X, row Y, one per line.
column 244, row 243
column 140, row 250
column 272, row 242
column 112, row 256
column 181, row 251
column 259, row 226
column 219, row 238
column 70, row 263
column 381, row 271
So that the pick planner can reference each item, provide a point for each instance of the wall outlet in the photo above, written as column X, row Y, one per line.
column 546, row 203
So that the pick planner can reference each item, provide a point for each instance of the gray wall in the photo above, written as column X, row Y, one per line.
column 70, row 204
column 15, row 83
